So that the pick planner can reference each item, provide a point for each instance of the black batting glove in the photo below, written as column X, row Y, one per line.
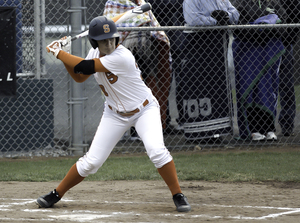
column 221, row 16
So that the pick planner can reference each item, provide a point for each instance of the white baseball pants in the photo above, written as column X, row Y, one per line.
column 112, row 127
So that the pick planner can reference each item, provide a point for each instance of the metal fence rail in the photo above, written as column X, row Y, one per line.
column 53, row 116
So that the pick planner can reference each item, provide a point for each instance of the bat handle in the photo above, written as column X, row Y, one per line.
column 74, row 38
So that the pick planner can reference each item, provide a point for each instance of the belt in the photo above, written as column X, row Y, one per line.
column 130, row 113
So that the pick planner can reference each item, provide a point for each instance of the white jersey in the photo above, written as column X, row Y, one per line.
column 123, row 87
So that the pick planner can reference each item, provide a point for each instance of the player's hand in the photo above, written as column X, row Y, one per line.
column 66, row 44
column 221, row 16
column 54, row 47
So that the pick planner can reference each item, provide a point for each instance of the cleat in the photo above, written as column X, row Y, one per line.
column 48, row 200
column 181, row 203
column 257, row 136
column 271, row 136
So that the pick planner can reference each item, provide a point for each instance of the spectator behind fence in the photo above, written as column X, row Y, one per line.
column 150, row 49
column 206, row 90
column 169, row 13
column 286, row 72
column 257, row 56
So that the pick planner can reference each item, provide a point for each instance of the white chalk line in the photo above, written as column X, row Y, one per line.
column 87, row 215
column 27, row 219
column 287, row 212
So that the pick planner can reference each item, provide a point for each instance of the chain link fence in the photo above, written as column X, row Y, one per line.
column 217, row 85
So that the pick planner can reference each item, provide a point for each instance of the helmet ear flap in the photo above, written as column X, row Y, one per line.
column 93, row 43
column 117, row 40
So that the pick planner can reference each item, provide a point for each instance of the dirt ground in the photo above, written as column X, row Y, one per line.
column 150, row 201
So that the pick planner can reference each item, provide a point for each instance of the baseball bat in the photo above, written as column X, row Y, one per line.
column 122, row 17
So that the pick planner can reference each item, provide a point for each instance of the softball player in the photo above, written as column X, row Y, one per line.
column 129, row 102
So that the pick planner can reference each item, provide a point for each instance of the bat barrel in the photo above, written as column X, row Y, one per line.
column 139, row 10
column 146, row 7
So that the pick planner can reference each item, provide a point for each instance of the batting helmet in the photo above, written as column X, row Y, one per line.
column 102, row 28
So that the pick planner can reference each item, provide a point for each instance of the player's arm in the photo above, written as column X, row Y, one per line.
column 79, row 68
column 77, row 77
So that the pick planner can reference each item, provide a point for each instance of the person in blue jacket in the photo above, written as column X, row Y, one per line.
column 257, row 55
column 286, row 73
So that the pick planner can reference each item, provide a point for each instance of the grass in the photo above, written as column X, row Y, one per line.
column 222, row 167
column 241, row 167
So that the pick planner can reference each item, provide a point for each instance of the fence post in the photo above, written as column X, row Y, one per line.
column 76, row 99
column 37, row 36
column 43, row 36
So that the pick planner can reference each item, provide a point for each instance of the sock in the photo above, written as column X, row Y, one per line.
column 70, row 180
column 168, row 173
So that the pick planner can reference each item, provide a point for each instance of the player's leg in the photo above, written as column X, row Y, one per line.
column 149, row 128
column 102, row 145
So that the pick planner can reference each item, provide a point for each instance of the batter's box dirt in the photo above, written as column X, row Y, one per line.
column 151, row 201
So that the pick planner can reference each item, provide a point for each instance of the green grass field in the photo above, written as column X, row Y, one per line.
column 249, row 166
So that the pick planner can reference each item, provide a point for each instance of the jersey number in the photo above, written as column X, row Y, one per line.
column 112, row 79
